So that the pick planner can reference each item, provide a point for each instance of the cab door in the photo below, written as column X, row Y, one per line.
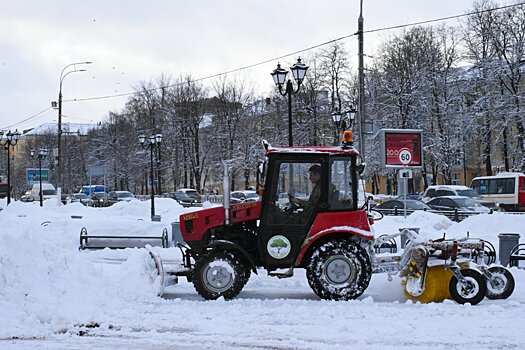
column 284, row 225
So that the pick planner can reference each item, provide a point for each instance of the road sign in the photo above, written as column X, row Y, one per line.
column 33, row 176
column 405, row 156
column 401, row 148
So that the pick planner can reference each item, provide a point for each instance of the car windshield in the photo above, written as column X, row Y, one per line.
column 466, row 202
column 182, row 196
column 252, row 195
column 416, row 205
column 49, row 192
column 80, row 196
column 468, row 193
column 125, row 195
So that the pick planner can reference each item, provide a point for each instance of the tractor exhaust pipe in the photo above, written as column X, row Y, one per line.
column 226, row 196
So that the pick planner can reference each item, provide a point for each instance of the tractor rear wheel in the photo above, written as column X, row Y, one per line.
column 218, row 274
column 472, row 291
column 502, row 283
column 339, row 269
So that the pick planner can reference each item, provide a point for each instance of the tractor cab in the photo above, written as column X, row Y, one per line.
column 305, row 188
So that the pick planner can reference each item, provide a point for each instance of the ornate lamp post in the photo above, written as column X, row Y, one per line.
column 41, row 154
column 154, row 143
column 10, row 139
column 59, row 131
column 342, row 121
column 279, row 77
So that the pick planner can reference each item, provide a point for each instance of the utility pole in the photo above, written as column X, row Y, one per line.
column 362, row 111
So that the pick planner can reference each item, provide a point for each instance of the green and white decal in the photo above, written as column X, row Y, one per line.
column 278, row 247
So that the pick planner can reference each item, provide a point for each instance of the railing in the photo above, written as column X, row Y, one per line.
column 213, row 198
column 454, row 215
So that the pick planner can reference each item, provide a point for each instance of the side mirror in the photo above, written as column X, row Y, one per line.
column 361, row 169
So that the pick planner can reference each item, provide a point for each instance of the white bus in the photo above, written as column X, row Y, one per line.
column 506, row 190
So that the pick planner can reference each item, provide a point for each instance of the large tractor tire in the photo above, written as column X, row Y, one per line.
column 436, row 286
column 218, row 274
column 339, row 270
column 502, row 284
column 472, row 292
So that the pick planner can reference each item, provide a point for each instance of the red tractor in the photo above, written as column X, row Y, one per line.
column 299, row 223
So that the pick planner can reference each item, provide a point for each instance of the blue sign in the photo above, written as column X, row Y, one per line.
column 33, row 176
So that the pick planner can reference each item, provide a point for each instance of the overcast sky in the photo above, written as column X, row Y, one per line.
column 133, row 41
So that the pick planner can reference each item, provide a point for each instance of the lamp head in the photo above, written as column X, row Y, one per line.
column 279, row 75
column 299, row 71
column 142, row 139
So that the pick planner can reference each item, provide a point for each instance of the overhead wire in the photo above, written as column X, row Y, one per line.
column 291, row 54
column 27, row 119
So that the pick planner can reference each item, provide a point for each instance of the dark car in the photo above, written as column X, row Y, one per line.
column 459, row 203
column 394, row 204
column 98, row 199
column 182, row 198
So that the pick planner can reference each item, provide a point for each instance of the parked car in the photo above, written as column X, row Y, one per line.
column 182, row 198
column 120, row 196
column 245, row 196
column 48, row 191
column 461, row 203
column 448, row 190
column 79, row 198
column 413, row 196
column 98, row 199
column 192, row 193
column 93, row 188
column 392, row 204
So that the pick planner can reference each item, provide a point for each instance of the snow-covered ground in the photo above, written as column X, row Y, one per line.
column 53, row 296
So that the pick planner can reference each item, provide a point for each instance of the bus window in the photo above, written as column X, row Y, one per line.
column 510, row 186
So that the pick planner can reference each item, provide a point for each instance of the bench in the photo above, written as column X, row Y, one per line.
column 516, row 255
column 86, row 239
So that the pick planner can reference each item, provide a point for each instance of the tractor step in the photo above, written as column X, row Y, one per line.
column 287, row 274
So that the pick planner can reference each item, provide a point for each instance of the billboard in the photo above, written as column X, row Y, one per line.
column 401, row 148
column 33, row 176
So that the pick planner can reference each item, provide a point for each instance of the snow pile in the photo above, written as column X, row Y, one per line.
column 46, row 284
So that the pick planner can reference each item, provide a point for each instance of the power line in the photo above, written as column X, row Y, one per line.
column 27, row 119
column 442, row 18
column 301, row 51
column 293, row 53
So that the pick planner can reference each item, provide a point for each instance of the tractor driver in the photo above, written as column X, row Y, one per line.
column 315, row 195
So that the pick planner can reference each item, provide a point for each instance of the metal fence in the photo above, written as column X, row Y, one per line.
column 454, row 215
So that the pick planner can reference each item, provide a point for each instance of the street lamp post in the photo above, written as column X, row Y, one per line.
column 11, row 138
column 59, row 131
column 279, row 77
column 42, row 153
column 154, row 143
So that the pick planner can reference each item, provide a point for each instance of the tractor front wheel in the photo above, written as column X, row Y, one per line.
column 218, row 274
column 339, row 269
column 473, row 289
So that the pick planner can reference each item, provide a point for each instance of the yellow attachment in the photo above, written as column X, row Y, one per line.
column 436, row 286
column 348, row 137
